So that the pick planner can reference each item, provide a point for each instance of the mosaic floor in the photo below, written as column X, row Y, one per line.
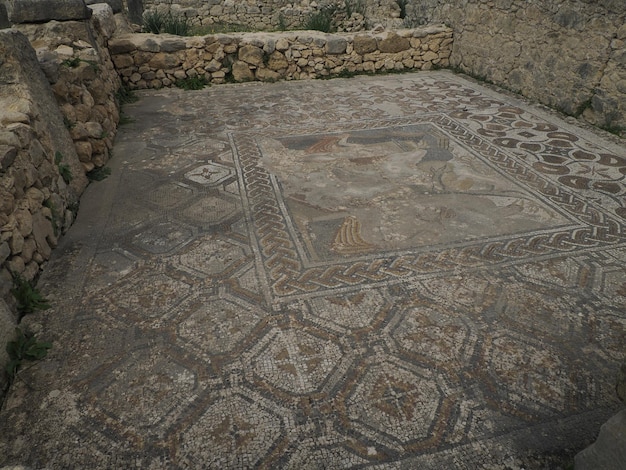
column 408, row 271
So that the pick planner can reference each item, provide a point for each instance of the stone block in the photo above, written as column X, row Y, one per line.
column 103, row 19
column 41, row 11
column 336, row 45
column 116, row 5
column 393, row 43
column 173, row 44
column 251, row 55
column 364, row 44
column 277, row 61
column 241, row 72
column 121, row 46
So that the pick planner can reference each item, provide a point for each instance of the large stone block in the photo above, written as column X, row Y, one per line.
column 40, row 11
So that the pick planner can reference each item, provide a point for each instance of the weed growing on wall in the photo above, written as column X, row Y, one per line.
column 64, row 170
column 28, row 297
column 25, row 347
column 321, row 20
column 355, row 6
column 99, row 174
column 125, row 96
column 158, row 22
column 192, row 83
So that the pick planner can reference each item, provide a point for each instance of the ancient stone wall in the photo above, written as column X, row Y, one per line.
column 75, row 58
column 153, row 61
column 276, row 14
column 567, row 54
column 36, row 151
column 58, row 117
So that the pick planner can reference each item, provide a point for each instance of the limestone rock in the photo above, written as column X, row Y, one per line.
column 364, row 44
column 268, row 75
column 40, row 11
column 102, row 18
column 115, row 5
column 241, row 72
column 336, row 45
column 277, row 61
column 393, row 43
column 251, row 55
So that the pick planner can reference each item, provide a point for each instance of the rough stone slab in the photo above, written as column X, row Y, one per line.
column 336, row 45
column 103, row 19
column 41, row 11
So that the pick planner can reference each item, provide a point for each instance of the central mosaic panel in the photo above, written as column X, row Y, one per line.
column 379, row 200
column 359, row 192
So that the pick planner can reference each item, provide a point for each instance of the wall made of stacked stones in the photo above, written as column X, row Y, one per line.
column 154, row 61
column 275, row 14
column 567, row 54
column 75, row 59
column 36, row 151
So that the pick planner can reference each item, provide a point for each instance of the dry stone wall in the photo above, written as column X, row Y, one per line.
column 75, row 58
column 350, row 15
column 567, row 54
column 154, row 61
column 35, row 152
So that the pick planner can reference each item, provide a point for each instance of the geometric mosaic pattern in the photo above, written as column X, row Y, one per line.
column 408, row 271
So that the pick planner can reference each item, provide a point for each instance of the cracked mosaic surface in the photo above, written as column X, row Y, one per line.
column 407, row 271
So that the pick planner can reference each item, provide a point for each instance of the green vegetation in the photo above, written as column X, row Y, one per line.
column 72, row 63
column 98, row 174
column 356, row 6
column 24, row 348
column 192, row 83
column 125, row 95
column 27, row 296
column 75, row 62
column 54, row 215
column 64, row 170
column 69, row 125
column 322, row 20
column 158, row 22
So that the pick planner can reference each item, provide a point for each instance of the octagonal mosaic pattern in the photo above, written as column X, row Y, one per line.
column 408, row 271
